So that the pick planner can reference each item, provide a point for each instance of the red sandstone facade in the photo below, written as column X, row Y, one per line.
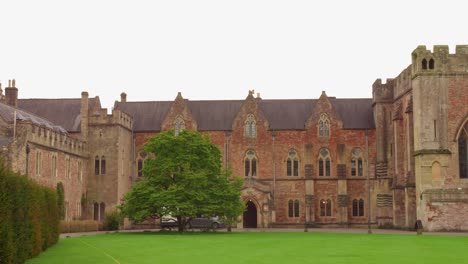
column 389, row 160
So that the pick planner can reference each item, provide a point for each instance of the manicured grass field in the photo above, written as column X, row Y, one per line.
column 261, row 247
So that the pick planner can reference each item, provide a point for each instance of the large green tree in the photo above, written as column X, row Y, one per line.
column 183, row 178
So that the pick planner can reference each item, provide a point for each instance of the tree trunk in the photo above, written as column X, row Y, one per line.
column 181, row 222
column 229, row 228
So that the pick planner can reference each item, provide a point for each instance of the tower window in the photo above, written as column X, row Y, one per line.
column 431, row 64
column 424, row 64
column 463, row 152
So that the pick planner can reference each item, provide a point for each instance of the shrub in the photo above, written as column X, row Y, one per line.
column 113, row 220
column 29, row 217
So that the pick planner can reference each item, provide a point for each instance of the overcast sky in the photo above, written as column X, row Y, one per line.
column 216, row 49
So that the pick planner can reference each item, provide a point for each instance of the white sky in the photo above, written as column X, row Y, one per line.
column 216, row 49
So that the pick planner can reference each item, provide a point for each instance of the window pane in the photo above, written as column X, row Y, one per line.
column 96, row 166
column 247, row 167
column 328, row 207
column 322, row 207
column 353, row 168
column 360, row 167
column 254, row 167
column 355, row 207
column 361, row 207
column 96, row 211
column 320, row 165
column 296, row 208
column 290, row 208
column 103, row 166
column 327, row 167
column 288, row 168
column 296, row 168
column 102, row 212
column 140, row 168
column 462, row 156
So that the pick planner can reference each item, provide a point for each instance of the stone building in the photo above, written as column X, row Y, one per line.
column 390, row 159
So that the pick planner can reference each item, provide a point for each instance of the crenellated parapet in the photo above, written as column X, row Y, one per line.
column 439, row 61
column 382, row 92
column 117, row 117
column 57, row 140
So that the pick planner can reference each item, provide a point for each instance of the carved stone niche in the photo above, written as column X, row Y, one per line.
column 309, row 171
column 343, row 200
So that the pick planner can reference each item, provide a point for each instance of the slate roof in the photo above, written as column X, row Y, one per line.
column 64, row 112
column 288, row 114
column 7, row 112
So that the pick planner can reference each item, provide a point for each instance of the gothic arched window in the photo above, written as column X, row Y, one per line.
column 292, row 164
column 324, row 125
column 463, row 152
column 356, row 163
column 324, row 162
column 325, row 207
column 250, row 162
column 250, row 127
column 179, row 125
column 293, row 208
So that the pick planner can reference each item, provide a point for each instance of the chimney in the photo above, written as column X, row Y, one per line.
column 84, row 115
column 123, row 97
column 11, row 93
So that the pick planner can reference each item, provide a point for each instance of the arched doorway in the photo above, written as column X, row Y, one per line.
column 250, row 216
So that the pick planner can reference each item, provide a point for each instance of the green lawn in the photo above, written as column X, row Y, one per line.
column 262, row 247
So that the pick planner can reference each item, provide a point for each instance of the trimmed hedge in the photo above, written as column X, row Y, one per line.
column 29, row 217
column 75, row 226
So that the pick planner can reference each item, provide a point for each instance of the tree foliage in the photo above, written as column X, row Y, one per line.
column 183, row 178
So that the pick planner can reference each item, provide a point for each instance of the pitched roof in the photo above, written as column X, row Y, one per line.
column 355, row 113
column 288, row 114
column 64, row 112
column 147, row 116
column 7, row 112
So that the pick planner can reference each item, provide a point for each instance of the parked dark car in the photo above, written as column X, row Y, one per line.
column 205, row 222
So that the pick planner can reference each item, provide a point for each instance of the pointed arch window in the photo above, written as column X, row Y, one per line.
column 179, row 125
column 356, row 163
column 293, row 208
column 250, row 163
column 463, row 152
column 250, row 126
column 292, row 164
column 324, row 162
column 99, row 165
column 324, row 125
column 358, row 207
column 325, row 207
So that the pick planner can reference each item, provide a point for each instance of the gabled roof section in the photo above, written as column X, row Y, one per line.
column 218, row 115
column 7, row 112
column 147, row 116
column 64, row 112
column 356, row 113
column 215, row 115
column 287, row 114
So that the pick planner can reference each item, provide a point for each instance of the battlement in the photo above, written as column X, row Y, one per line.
column 382, row 92
column 116, row 118
column 439, row 60
column 57, row 140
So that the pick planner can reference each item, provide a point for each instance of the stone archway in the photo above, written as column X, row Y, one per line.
column 250, row 215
